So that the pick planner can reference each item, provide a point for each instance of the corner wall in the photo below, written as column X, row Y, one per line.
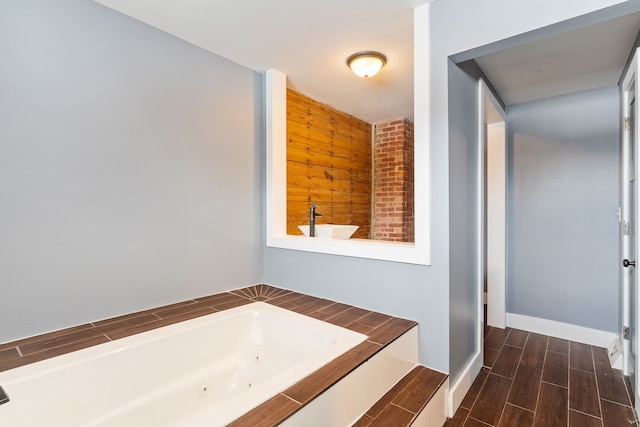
column 130, row 168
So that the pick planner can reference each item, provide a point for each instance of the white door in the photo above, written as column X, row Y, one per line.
column 628, row 227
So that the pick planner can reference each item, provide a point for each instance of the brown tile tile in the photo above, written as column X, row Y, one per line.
column 336, row 308
column 507, row 362
column 49, row 336
column 260, row 292
column 256, row 290
column 491, row 400
column 600, row 355
column 136, row 329
column 393, row 416
column 126, row 323
column 513, row 416
column 313, row 304
column 556, row 369
column 319, row 315
column 558, row 345
column 323, row 378
column 552, row 408
column 60, row 340
column 490, row 356
column 348, row 316
column 526, row 385
column 180, row 309
column 495, row 338
column 632, row 397
column 614, row 415
column 248, row 292
column 215, row 300
column 221, row 306
column 391, row 330
column 358, row 327
column 374, row 319
column 303, row 300
column 9, row 353
column 244, row 292
column 580, row 356
column 53, row 352
column 419, row 391
column 487, row 329
column 364, row 421
column 611, row 384
column 290, row 298
column 534, row 351
column 472, row 394
column 517, row 338
column 273, row 292
column 578, row 419
column 129, row 317
column 270, row 413
column 472, row 422
column 458, row 419
column 584, row 392
column 388, row 397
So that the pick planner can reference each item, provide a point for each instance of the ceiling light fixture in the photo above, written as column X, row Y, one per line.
column 366, row 64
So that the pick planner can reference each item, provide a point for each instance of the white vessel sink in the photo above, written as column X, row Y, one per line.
column 331, row 231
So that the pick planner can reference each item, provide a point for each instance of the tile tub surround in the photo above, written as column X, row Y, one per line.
column 381, row 330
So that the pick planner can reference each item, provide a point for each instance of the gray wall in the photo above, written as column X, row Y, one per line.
column 417, row 292
column 463, row 208
column 130, row 167
column 562, row 204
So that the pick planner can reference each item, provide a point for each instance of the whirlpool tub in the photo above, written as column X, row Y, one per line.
column 206, row 371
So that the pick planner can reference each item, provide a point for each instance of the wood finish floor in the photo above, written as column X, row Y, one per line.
column 535, row 380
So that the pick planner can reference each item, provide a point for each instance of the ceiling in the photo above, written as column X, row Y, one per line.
column 310, row 41
column 581, row 59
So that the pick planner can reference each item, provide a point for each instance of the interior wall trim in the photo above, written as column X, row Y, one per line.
column 463, row 383
column 562, row 330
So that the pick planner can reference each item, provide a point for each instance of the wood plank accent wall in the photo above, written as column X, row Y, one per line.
column 328, row 162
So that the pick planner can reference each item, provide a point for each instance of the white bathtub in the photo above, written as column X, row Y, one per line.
column 203, row 372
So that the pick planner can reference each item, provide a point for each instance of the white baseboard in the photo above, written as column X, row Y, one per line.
column 561, row 330
column 459, row 389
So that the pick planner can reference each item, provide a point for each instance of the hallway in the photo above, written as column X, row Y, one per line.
column 534, row 380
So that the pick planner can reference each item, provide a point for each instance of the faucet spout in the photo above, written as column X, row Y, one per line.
column 312, row 219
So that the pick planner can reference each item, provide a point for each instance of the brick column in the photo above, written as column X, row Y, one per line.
column 393, row 182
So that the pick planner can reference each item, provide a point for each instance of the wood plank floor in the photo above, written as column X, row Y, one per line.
column 535, row 380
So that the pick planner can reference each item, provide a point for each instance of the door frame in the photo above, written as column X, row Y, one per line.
column 629, row 83
column 496, row 301
column 459, row 389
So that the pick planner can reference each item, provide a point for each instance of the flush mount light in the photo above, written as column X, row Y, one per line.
column 366, row 64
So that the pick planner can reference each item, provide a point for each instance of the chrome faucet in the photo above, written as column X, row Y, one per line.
column 312, row 219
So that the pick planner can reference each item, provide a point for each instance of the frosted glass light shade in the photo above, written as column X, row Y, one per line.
column 366, row 64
